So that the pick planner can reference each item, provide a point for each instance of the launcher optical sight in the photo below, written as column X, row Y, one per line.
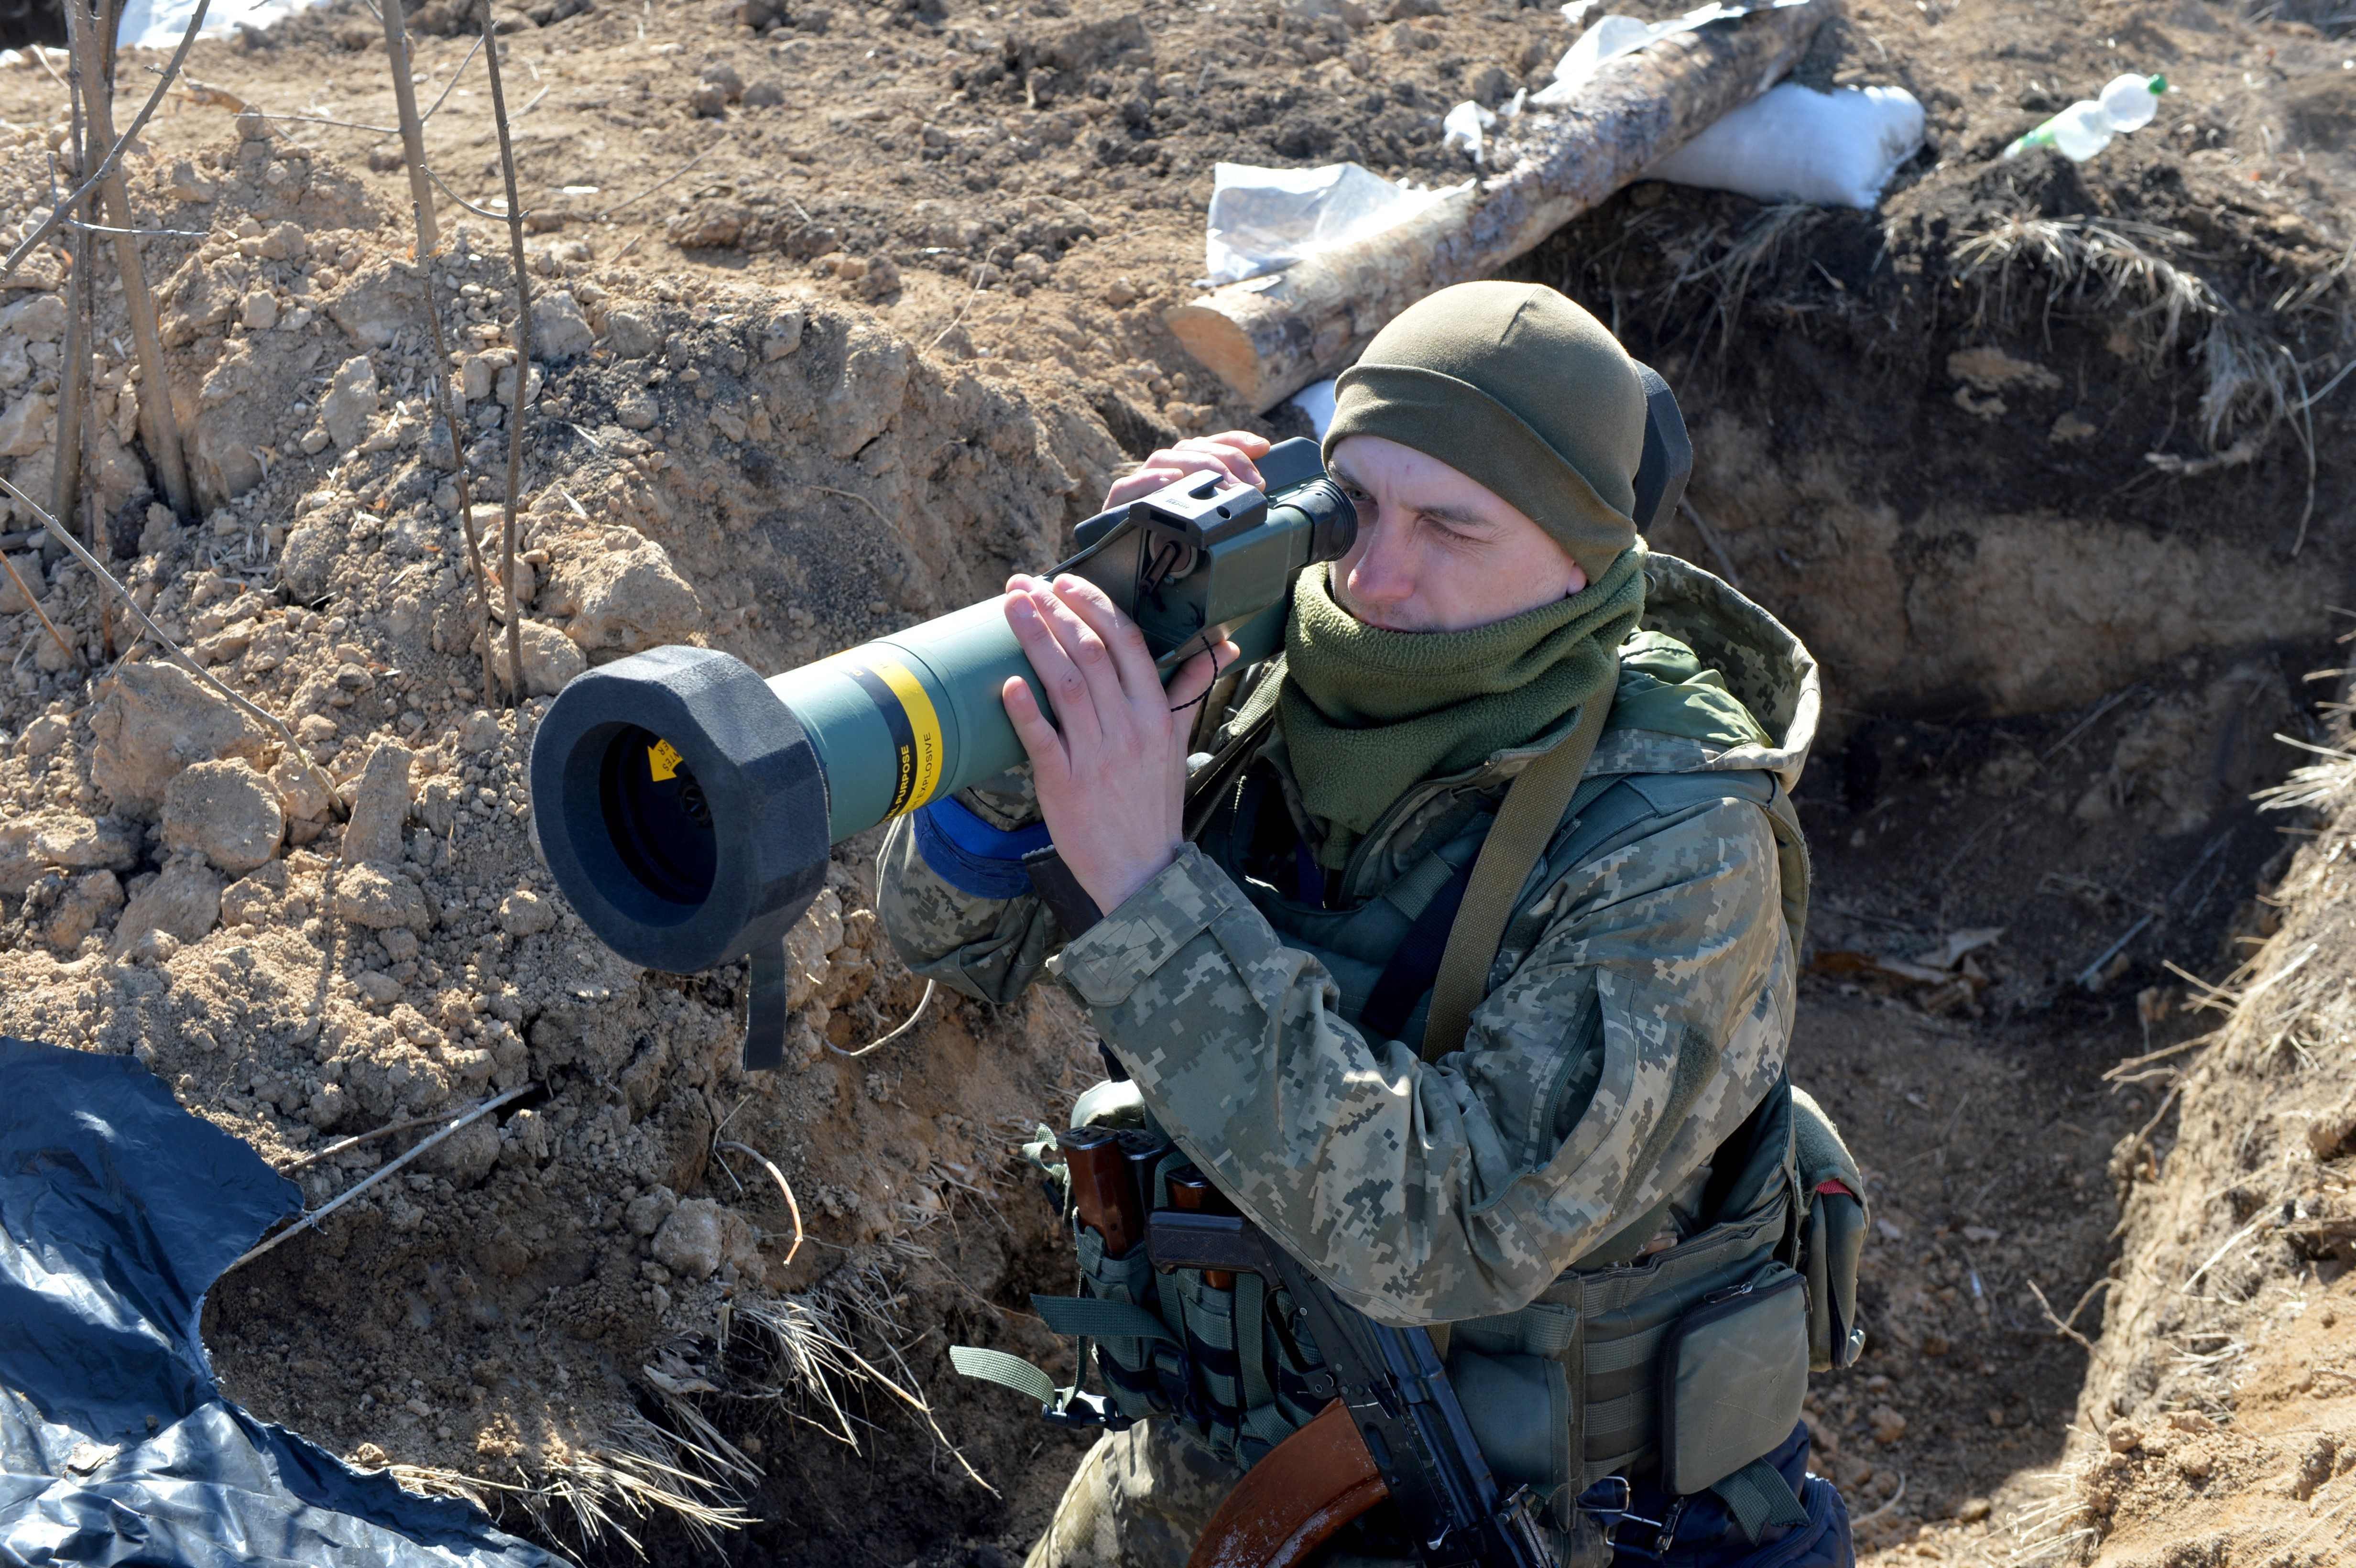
column 686, row 804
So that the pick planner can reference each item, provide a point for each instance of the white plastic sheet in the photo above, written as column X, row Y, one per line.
column 1611, row 37
column 1263, row 220
column 1795, row 144
column 158, row 24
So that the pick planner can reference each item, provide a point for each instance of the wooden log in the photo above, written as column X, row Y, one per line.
column 1268, row 337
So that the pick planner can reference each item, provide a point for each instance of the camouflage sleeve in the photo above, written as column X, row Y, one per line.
column 1645, row 1023
column 956, row 916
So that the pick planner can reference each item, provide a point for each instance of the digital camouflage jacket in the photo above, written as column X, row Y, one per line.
column 1639, row 1007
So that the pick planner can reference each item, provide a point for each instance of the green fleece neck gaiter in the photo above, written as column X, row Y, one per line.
column 1366, row 713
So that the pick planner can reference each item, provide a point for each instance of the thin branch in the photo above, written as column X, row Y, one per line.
column 778, row 1176
column 442, row 404
column 2117, row 1073
column 160, row 422
column 462, row 201
column 310, row 1221
column 55, row 635
column 852, row 495
column 1716, row 551
column 2060, row 1329
column 413, row 129
column 878, row 1045
column 294, row 747
column 386, row 1131
column 48, row 226
column 522, row 364
column 1895, row 1498
column 74, row 375
column 960, row 317
column 453, row 82
column 679, row 173
column 87, row 228
column 323, row 119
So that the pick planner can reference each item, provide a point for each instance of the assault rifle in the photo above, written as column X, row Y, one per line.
column 1393, row 1428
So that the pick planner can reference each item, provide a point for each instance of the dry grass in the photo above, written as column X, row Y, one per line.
column 2058, row 1528
column 2318, row 786
column 1727, row 265
column 2251, row 379
column 820, row 1354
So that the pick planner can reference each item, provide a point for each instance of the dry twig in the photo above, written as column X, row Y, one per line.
column 922, row 1002
column 442, row 404
column 55, row 635
column 161, row 424
column 778, row 1176
column 413, row 130
column 2061, row 1327
column 58, row 213
column 680, row 172
column 386, row 1131
column 1716, row 551
column 522, row 363
column 73, row 378
column 1895, row 1499
column 294, row 747
column 311, row 1220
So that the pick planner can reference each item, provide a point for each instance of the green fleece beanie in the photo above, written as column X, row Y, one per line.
column 1517, row 387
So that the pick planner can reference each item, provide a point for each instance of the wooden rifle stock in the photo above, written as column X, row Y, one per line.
column 1295, row 1499
column 1190, row 1193
column 1102, row 1192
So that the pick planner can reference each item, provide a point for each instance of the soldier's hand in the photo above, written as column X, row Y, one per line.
column 1231, row 452
column 1111, row 771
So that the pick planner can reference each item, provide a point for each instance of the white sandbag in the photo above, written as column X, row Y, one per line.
column 1315, row 402
column 1262, row 220
column 1795, row 144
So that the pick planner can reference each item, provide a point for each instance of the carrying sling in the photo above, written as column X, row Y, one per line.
column 1532, row 811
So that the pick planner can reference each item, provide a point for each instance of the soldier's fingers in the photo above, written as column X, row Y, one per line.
column 1144, row 483
column 1090, row 656
column 1041, row 743
column 1206, row 452
column 1067, row 686
column 1119, row 633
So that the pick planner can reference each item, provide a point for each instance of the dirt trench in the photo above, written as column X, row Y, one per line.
column 1925, row 436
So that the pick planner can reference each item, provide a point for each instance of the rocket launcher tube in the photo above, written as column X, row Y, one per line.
column 686, row 805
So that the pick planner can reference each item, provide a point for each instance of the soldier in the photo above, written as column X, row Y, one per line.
column 1610, row 1152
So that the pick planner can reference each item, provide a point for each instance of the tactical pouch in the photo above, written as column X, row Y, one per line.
column 1832, row 1235
column 1138, row 1370
column 1733, row 1371
column 1513, row 1375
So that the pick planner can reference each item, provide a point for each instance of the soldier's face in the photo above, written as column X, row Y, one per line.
column 1437, row 550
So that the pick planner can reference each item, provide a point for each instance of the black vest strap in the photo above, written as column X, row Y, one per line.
column 1414, row 963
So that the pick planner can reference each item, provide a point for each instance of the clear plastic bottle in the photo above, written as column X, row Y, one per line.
column 2086, row 127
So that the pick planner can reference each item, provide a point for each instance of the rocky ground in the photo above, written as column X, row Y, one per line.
column 839, row 313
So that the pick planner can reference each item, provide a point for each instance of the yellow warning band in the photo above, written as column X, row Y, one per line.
column 916, row 726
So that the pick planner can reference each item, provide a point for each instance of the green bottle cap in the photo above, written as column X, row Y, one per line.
column 2158, row 85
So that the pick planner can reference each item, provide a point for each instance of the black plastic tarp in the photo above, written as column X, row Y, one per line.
column 118, row 1210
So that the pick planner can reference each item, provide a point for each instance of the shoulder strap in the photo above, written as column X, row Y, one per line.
column 1525, row 824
